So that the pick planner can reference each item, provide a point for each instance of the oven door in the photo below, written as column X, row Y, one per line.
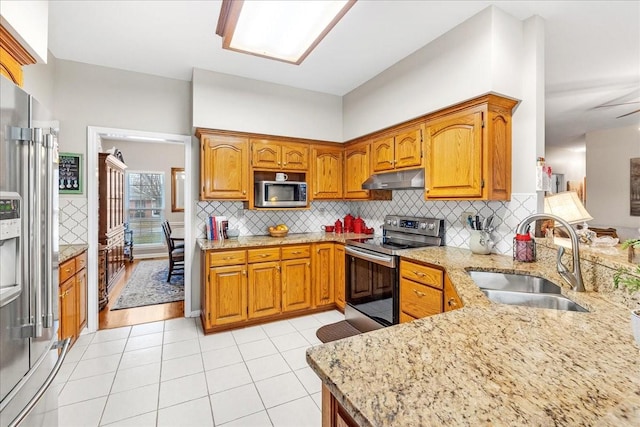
column 371, row 289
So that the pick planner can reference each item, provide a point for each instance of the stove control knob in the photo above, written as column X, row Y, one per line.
column 432, row 226
column 423, row 225
column 394, row 222
column 388, row 222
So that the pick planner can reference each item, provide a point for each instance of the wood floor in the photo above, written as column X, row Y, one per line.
column 134, row 316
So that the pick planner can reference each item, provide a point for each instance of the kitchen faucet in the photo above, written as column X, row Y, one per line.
column 574, row 278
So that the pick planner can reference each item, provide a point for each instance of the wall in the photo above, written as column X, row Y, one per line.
column 222, row 101
column 28, row 23
column 39, row 81
column 608, row 179
column 566, row 161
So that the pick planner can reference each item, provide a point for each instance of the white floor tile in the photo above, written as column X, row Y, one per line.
column 111, row 334
column 327, row 317
column 235, row 403
column 127, row 379
column 86, row 389
column 97, row 366
column 104, row 349
column 281, row 389
column 266, row 367
column 259, row 419
column 131, row 403
column 177, row 335
column 216, row 341
column 75, row 354
column 281, row 327
column 290, row 341
column 299, row 413
column 180, row 323
column 296, row 358
column 181, row 367
column 227, row 377
column 182, row 390
column 256, row 349
column 144, row 420
column 310, row 336
column 305, row 322
column 317, row 399
column 188, row 414
column 82, row 414
column 254, row 333
column 223, row 357
column 147, row 328
column 180, row 349
column 144, row 341
column 144, row 356
column 84, row 340
column 309, row 380
column 64, row 373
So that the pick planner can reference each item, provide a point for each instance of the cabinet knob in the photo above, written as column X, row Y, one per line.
column 278, row 268
column 285, row 163
column 264, row 255
column 417, row 292
column 452, row 302
column 278, row 162
column 244, row 272
column 296, row 252
column 244, row 191
column 419, row 274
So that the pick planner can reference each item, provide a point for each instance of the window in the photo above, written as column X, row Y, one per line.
column 145, row 206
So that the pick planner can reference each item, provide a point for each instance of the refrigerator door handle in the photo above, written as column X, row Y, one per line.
column 47, row 383
column 48, row 273
column 36, row 254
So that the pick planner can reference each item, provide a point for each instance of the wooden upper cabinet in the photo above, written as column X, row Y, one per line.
column 469, row 152
column 224, row 167
column 272, row 154
column 326, row 172
column 397, row 151
column 356, row 171
column 13, row 56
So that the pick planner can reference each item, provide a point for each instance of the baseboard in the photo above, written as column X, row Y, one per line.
column 150, row 255
column 195, row 313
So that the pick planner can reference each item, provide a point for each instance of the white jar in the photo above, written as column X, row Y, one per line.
column 480, row 242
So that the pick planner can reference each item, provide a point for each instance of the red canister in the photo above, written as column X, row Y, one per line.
column 348, row 223
column 338, row 226
column 358, row 225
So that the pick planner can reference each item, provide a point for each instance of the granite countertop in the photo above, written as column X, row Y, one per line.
column 67, row 252
column 290, row 239
column 490, row 364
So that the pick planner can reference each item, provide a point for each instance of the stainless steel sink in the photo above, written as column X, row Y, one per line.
column 527, row 299
column 513, row 282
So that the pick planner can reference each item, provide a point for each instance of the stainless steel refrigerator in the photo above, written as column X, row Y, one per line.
column 30, row 354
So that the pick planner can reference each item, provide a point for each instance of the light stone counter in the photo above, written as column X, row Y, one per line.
column 491, row 364
column 67, row 252
column 290, row 239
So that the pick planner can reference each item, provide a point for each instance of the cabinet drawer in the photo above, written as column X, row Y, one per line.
column 296, row 251
column 219, row 259
column 67, row 269
column 421, row 274
column 261, row 255
column 81, row 261
column 418, row 300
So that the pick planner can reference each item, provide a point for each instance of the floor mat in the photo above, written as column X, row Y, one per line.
column 336, row 331
column 148, row 286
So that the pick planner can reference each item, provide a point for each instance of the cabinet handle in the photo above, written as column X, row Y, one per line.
column 227, row 258
column 264, row 255
column 277, row 268
column 419, row 274
column 452, row 302
column 244, row 272
column 67, row 270
column 417, row 292
column 297, row 252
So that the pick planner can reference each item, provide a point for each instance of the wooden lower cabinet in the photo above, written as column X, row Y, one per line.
column 333, row 414
column 421, row 291
column 72, row 307
column 340, row 281
column 452, row 300
column 227, row 297
column 296, row 284
column 264, row 289
column 323, row 274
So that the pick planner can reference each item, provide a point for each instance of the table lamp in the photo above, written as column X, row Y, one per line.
column 567, row 205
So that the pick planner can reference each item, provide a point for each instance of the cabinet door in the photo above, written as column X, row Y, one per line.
column 408, row 149
column 326, row 177
column 451, row 299
column 356, row 171
column 81, row 289
column 68, row 306
column 265, row 154
column 227, row 288
column 323, row 275
column 264, row 289
column 382, row 154
column 295, row 156
column 296, row 284
column 340, row 281
column 454, row 156
column 224, row 168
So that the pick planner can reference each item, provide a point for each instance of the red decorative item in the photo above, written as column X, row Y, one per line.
column 338, row 226
column 348, row 223
column 358, row 225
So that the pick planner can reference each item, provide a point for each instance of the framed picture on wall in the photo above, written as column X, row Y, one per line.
column 70, row 173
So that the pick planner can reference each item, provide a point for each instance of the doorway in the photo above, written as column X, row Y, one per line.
column 103, row 138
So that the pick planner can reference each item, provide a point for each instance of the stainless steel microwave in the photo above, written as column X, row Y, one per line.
column 280, row 194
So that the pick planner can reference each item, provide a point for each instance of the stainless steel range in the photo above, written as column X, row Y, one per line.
column 372, row 280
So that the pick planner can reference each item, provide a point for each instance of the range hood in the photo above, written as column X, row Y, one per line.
column 402, row 180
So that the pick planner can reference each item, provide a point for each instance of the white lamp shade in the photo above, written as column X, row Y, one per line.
column 567, row 205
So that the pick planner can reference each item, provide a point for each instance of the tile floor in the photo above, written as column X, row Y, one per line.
column 169, row 373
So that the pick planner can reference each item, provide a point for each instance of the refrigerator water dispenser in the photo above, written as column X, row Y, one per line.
column 10, row 235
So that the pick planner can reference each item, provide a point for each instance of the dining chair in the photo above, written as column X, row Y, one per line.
column 176, row 254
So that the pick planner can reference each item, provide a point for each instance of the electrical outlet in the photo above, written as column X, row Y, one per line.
column 464, row 216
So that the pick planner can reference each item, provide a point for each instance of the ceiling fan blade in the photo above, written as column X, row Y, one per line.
column 615, row 105
column 628, row 114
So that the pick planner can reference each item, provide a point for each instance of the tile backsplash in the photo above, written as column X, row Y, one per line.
column 507, row 215
column 73, row 221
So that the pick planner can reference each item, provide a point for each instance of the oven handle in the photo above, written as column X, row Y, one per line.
column 386, row 260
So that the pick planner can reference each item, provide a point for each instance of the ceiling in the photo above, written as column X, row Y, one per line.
column 592, row 50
